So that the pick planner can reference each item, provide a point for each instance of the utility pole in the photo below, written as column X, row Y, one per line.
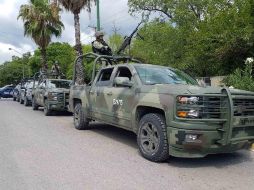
column 115, row 29
column 98, row 15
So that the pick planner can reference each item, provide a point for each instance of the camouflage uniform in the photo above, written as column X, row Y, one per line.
column 56, row 69
column 100, row 46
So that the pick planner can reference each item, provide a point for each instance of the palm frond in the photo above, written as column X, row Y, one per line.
column 75, row 6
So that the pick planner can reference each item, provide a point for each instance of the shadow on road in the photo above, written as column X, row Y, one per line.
column 57, row 113
column 216, row 160
column 121, row 135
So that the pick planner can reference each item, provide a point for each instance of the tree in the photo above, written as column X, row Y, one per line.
column 115, row 42
column 162, row 45
column 11, row 72
column 242, row 78
column 75, row 7
column 202, row 37
column 41, row 22
column 63, row 53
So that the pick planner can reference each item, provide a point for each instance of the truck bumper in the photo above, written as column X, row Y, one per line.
column 197, row 143
column 56, row 106
column 29, row 99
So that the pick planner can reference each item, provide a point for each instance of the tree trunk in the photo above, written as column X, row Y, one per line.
column 44, row 59
column 55, row 2
column 79, row 74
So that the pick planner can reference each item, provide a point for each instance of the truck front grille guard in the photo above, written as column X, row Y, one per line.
column 211, row 108
column 223, row 109
column 239, row 105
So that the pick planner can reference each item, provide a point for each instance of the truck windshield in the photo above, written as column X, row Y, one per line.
column 30, row 84
column 59, row 84
column 150, row 75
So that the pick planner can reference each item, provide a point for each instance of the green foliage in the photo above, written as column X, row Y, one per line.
column 87, row 65
column 242, row 78
column 115, row 42
column 160, row 46
column 11, row 72
column 41, row 22
column 204, row 38
column 63, row 53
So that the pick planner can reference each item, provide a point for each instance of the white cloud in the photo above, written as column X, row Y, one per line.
column 6, row 7
column 87, row 38
column 11, row 30
column 8, row 50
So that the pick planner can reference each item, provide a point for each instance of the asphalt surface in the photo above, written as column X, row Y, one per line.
column 39, row 152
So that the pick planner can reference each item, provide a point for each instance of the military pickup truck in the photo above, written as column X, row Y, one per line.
column 52, row 94
column 26, row 92
column 170, row 113
column 25, row 89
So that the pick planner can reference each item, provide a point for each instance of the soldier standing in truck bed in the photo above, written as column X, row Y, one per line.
column 55, row 70
column 100, row 46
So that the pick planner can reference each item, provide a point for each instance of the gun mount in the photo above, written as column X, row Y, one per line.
column 127, row 41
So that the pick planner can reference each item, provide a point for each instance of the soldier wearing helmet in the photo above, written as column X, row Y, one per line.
column 100, row 46
column 56, row 70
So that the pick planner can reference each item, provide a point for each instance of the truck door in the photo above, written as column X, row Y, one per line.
column 121, row 98
column 99, row 93
column 40, row 94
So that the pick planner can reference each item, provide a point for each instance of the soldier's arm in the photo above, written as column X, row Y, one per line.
column 98, row 45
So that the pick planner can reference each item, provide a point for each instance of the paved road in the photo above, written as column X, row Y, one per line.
column 38, row 152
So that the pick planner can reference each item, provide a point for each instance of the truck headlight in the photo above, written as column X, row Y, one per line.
column 188, row 114
column 188, row 107
column 52, row 96
column 188, row 100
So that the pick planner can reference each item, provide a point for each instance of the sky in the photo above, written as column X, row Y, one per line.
column 113, row 12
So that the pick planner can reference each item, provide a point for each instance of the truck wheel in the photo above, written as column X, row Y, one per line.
column 47, row 111
column 80, row 120
column 14, row 99
column 34, row 105
column 26, row 103
column 152, row 138
column 21, row 101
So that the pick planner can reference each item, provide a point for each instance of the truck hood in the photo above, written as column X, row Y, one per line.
column 188, row 89
column 60, row 90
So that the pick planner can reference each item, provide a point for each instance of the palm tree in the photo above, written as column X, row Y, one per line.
column 41, row 21
column 75, row 6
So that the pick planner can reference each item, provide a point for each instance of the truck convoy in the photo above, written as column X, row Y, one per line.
column 170, row 113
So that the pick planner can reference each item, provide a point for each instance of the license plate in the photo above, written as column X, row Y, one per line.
column 243, row 121
column 246, row 121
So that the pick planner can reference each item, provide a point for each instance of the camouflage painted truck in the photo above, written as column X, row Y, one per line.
column 170, row 113
column 51, row 93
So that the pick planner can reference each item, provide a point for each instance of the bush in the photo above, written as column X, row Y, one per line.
column 242, row 78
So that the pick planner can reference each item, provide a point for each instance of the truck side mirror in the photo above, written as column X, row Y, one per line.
column 123, row 82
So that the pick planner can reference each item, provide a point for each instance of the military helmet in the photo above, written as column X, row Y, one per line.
column 98, row 34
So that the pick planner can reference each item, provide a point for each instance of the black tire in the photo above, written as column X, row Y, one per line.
column 14, row 99
column 34, row 105
column 81, row 122
column 47, row 111
column 152, row 138
column 21, row 101
column 26, row 103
